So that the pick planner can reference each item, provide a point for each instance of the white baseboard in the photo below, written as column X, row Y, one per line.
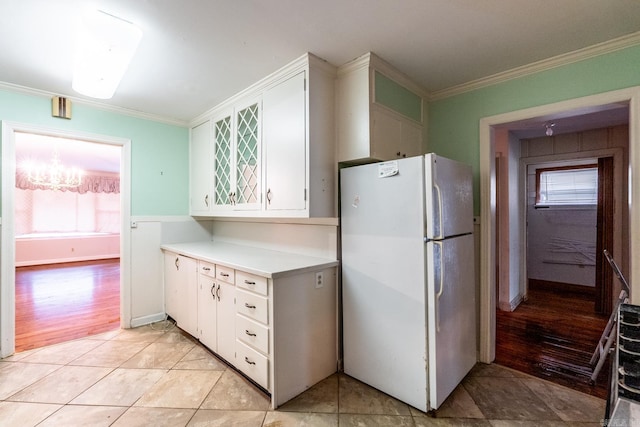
column 146, row 320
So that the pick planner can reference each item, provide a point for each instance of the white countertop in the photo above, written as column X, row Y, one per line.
column 262, row 262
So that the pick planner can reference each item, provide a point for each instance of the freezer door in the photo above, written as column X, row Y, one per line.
column 451, row 302
column 449, row 197
column 383, row 252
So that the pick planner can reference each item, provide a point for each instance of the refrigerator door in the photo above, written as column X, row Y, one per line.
column 449, row 197
column 451, row 311
column 383, row 283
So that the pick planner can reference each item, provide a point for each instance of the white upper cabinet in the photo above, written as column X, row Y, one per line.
column 379, row 112
column 284, row 134
column 199, row 168
column 271, row 148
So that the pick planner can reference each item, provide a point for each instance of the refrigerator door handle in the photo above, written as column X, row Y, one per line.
column 440, row 263
column 439, row 218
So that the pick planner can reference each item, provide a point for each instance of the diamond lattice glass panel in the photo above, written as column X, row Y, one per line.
column 247, row 155
column 222, row 168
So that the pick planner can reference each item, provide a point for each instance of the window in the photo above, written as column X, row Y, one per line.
column 569, row 185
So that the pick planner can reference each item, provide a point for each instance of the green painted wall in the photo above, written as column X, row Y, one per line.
column 454, row 122
column 159, row 152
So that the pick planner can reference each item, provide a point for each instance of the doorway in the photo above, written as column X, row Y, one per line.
column 8, row 250
column 67, row 239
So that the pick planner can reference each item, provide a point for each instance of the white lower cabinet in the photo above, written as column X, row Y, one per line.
column 181, row 291
column 280, row 332
column 216, row 309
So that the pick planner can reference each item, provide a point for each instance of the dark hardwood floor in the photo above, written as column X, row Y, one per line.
column 61, row 302
column 553, row 335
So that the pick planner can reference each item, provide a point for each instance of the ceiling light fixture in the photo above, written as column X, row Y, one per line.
column 549, row 126
column 104, row 48
column 53, row 175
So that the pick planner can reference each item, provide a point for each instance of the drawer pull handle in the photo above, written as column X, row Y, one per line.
column 249, row 282
column 224, row 274
column 251, row 334
column 206, row 268
column 246, row 359
column 246, row 304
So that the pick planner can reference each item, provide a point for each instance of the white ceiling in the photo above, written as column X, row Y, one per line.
column 196, row 53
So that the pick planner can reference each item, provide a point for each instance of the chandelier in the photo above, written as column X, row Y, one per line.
column 53, row 175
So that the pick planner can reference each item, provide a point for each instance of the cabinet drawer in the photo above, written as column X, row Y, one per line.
column 252, row 305
column 253, row 364
column 207, row 268
column 225, row 274
column 251, row 282
column 252, row 333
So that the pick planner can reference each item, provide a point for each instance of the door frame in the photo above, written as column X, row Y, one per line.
column 615, row 153
column 7, row 238
column 630, row 97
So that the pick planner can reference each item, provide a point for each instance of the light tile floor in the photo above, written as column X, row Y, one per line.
column 150, row 377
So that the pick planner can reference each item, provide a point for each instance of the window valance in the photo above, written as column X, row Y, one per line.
column 93, row 183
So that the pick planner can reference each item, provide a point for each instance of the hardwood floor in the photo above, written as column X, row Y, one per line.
column 553, row 335
column 61, row 302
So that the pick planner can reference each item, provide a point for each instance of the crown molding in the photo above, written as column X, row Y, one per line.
column 609, row 46
column 94, row 104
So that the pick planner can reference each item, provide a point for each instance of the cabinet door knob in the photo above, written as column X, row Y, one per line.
column 224, row 274
column 251, row 334
column 246, row 359
column 246, row 304
column 218, row 292
column 206, row 268
column 206, row 200
column 213, row 294
column 249, row 282
column 177, row 263
column 269, row 196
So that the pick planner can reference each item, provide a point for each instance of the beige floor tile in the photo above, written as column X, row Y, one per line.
column 61, row 354
column 200, row 358
column 359, row 398
column 122, row 387
column 458, row 405
column 62, row 385
column 159, row 355
column 369, row 420
column 20, row 414
column 110, row 354
column 216, row 418
column 450, row 422
column 493, row 370
column 175, row 335
column 105, row 336
column 322, row 397
column 570, row 405
column 81, row 416
column 300, row 419
column 233, row 392
column 19, row 356
column 142, row 334
column 537, row 423
column 507, row 399
column 156, row 417
column 18, row 375
column 180, row 389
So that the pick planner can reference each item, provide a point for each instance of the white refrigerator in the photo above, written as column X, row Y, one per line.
column 408, row 285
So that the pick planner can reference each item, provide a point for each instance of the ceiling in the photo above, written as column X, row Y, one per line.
column 196, row 53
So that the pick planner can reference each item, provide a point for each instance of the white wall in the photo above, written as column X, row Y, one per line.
column 147, row 285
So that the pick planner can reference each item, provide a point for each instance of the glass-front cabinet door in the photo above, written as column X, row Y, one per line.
column 222, row 163
column 237, row 172
column 246, row 194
